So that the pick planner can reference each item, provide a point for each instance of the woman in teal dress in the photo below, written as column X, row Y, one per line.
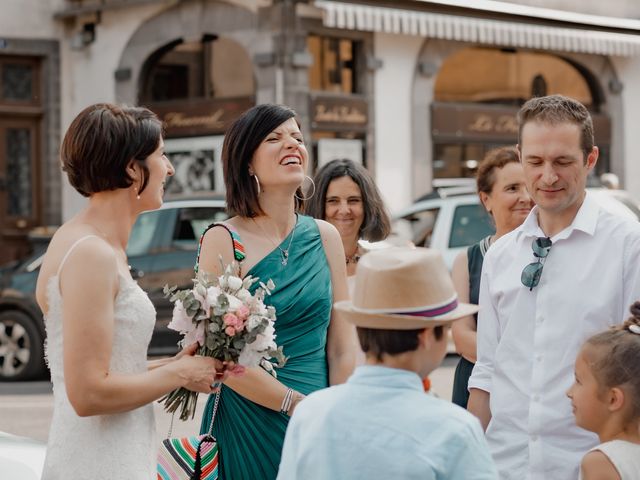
column 264, row 163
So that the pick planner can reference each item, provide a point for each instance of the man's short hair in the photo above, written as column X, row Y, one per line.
column 378, row 342
column 554, row 109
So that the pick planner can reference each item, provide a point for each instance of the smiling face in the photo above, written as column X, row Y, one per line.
column 554, row 166
column 159, row 168
column 281, row 159
column 344, row 208
column 588, row 407
column 509, row 202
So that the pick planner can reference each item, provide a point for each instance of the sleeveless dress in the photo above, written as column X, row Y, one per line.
column 475, row 258
column 625, row 456
column 249, row 435
column 115, row 446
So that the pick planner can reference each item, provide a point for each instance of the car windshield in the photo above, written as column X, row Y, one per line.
column 470, row 225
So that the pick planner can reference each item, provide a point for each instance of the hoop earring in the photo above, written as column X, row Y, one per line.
column 313, row 191
column 257, row 183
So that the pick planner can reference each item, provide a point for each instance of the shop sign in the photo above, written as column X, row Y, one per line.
column 474, row 122
column 490, row 123
column 200, row 117
column 339, row 113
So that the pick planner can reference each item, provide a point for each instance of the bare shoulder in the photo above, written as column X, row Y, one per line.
column 216, row 243
column 89, row 259
column 86, row 245
column 461, row 261
column 328, row 232
column 597, row 466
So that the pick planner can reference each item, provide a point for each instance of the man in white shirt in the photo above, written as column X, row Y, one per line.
column 570, row 270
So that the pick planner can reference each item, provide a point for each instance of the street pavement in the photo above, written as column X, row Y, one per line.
column 26, row 407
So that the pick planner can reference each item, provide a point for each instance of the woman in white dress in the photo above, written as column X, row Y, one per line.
column 98, row 320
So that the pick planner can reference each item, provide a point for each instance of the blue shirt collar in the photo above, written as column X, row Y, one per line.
column 378, row 375
column 585, row 220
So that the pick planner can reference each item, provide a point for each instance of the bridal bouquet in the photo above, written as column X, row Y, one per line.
column 228, row 322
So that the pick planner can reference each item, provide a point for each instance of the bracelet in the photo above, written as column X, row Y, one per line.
column 286, row 402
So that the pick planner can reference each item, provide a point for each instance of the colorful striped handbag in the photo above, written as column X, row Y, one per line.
column 190, row 458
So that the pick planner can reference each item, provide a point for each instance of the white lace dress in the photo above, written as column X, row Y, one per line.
column 113, row 447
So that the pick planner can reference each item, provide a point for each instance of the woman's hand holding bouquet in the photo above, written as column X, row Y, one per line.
column 228, row 324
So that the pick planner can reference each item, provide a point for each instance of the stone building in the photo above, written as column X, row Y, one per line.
column 413, row 89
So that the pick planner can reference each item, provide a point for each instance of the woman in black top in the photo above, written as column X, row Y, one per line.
column 501, row 187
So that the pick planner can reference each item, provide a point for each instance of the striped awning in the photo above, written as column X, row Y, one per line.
column 502, row 33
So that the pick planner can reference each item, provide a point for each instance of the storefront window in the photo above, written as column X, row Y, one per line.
column 334, row 66
column 502, row 76
column 216, row 67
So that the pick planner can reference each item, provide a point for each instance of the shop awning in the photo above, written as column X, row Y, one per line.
column 484, row 31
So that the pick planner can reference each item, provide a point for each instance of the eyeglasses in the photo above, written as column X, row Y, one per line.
column 531, row 274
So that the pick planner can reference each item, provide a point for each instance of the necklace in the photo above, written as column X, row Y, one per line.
column 355, row 257
column 284, row 252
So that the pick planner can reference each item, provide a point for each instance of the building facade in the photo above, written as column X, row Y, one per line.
column 415, row 90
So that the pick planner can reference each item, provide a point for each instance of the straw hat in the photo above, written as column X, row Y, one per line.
column 403, row 289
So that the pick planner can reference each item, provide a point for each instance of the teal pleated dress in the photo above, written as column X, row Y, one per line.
column 250, row 436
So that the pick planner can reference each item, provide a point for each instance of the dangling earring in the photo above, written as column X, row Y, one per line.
column 313, row 191
column 135, row 189
column 255, row 177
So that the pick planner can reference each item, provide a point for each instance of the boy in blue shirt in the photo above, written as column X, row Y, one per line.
column 381, row 424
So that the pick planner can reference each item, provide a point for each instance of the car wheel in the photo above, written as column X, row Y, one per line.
column 21, row 347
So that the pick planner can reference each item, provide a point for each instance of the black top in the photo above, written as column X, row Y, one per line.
column 475, row 257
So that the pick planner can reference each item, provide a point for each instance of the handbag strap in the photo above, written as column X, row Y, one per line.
column 213, row 416
column 215, row 410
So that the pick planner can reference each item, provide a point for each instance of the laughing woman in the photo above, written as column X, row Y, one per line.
column 264, row 162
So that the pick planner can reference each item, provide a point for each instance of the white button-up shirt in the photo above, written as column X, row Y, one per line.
column 528, row 340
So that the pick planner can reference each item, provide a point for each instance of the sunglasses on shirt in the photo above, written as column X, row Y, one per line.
column 531, row 274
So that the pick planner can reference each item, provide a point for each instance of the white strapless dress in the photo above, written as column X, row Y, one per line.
column 114, row 447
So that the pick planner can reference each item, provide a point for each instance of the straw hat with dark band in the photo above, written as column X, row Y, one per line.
column 403, row 289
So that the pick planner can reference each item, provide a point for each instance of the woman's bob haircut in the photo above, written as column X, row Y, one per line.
column 102, row 141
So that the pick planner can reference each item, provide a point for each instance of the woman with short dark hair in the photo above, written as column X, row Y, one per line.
column 98, row 320
column 264, row 163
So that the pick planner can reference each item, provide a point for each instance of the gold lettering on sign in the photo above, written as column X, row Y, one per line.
column 486, row 124
column 339, row 114
column 482, row 123
column 180, row 120
column 507, row 124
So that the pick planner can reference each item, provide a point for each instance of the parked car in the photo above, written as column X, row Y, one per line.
column 452, row 219
column 161, row 250
column 21, row 458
